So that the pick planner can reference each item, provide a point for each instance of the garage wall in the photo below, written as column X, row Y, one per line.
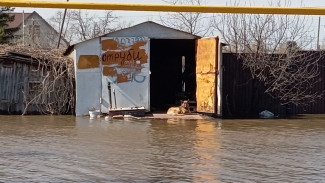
column 125, row 62
column 88, row 76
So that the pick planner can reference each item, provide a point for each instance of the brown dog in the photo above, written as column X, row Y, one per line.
column 180, row 110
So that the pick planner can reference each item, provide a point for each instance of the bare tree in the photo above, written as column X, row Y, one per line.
column 82, row 25
column 275, row 50
column 51, row 89
column 56, row 22
column 54, row 94
column 104, row 24
column 123, row 24
column 194, row 23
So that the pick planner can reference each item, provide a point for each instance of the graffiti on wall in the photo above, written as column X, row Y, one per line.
column 124, row 63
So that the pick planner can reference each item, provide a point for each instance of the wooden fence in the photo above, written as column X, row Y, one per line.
column 243, row 98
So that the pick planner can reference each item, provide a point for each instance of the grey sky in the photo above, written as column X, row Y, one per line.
column 46, row 13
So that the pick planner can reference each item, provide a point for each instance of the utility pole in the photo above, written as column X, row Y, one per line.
column 23, row 28
column 318, row 46
column 61, row 30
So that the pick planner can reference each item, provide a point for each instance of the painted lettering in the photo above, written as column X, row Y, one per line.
column 127, row 60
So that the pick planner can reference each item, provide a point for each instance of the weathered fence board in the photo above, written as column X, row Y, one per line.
column 243, row 98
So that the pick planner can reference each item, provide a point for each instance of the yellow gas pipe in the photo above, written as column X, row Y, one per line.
column 164, row 8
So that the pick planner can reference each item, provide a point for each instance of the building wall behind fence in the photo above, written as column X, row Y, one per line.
column 12, row 82
column 242, row 98
column 37, row 33
column 15, row 80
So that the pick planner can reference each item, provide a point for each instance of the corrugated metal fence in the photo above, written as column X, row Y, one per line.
column 245, row 97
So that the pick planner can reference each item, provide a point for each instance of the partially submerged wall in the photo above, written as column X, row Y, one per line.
column 122, row 64
column 88, row 76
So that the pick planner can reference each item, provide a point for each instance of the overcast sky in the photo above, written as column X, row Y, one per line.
column 47, row 13
column 138, row 17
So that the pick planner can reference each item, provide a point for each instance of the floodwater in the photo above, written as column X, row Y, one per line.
column 69, row 149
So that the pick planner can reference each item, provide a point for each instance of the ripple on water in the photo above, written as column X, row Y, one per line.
column 69, row 149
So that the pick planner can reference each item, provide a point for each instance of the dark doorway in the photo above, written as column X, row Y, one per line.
column 172, row 66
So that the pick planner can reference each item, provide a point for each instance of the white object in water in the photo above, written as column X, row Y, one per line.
column 94, row 114
column 266, row 114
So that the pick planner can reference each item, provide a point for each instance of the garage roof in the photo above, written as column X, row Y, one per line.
column 148, row 29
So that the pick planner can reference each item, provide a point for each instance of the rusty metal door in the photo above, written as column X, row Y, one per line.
column 125, row 72
column 206, row 74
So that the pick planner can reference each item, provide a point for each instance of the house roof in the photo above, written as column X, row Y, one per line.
column 146, row 29
column 18, row 19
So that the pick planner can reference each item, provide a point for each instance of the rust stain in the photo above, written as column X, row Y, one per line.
column 122, row 78
column 109, row 71
column 88, row 61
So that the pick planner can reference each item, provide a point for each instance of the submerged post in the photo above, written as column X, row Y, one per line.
column 114, row 98
column 109, row 94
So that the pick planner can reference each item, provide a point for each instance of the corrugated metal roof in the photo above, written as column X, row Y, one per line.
column 148, row 29
column 152, row 30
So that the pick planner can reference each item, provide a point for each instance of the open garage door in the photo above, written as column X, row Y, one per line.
column 207, row 50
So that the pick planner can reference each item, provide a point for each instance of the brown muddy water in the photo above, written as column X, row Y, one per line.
column 70, row 149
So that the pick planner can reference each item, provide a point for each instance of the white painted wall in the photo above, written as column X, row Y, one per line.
column 91, row 85
column 88, row 81
column 135, row 93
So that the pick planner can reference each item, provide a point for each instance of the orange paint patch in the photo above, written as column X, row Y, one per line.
column 136, row 47
column 122, row 78
column 109, row 71
column 138, row 44
column 109, row 44
column 126, row 59
column 133, row 56
column 88, row 62
column 136, row 68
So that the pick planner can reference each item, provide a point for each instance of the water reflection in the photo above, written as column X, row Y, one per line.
column 207, row 145
column 69, row 149
column 171, row 153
